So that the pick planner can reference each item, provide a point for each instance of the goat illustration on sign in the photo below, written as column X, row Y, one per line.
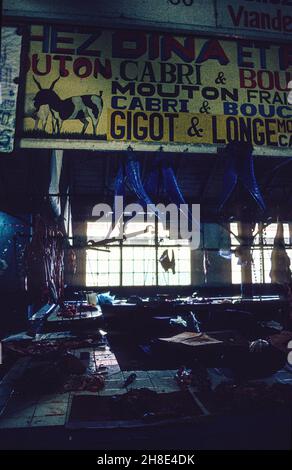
column 84, row 108
column 40, row 116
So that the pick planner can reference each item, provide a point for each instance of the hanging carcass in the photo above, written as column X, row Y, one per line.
column 280, row 272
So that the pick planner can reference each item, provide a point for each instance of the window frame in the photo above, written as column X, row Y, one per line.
column 156, row 247
column 261, row 245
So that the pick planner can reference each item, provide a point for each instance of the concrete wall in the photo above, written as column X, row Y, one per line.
column 231, row 17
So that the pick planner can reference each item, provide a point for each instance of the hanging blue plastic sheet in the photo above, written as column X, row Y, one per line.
column 129, row 175
column 120, row 182
column 239, row 165
column 119, row 190
column 174, row 193
column 160, row 177
column 154, row 179
column 134, row 180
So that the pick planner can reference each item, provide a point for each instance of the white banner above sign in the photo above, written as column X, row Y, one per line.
column 9, row 71
column 267, row 16
column 117, row 12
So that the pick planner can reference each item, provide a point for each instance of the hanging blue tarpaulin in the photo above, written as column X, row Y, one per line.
column 119, row 185
column 9, row 71
column 162, row 176
column 129, row 175
column 239, row 166
column 134, row 180
column 171, row 188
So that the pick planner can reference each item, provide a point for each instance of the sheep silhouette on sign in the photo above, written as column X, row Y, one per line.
column 84, row 108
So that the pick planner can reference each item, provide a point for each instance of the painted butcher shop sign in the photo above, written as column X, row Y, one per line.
column 136, row 86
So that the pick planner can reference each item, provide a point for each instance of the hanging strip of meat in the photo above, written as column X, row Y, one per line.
column 280, row 262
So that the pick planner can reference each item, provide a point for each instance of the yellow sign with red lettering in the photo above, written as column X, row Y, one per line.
column 137, row 86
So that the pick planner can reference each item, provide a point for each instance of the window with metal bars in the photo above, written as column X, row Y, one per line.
column 261, row 251
column 134, row 261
